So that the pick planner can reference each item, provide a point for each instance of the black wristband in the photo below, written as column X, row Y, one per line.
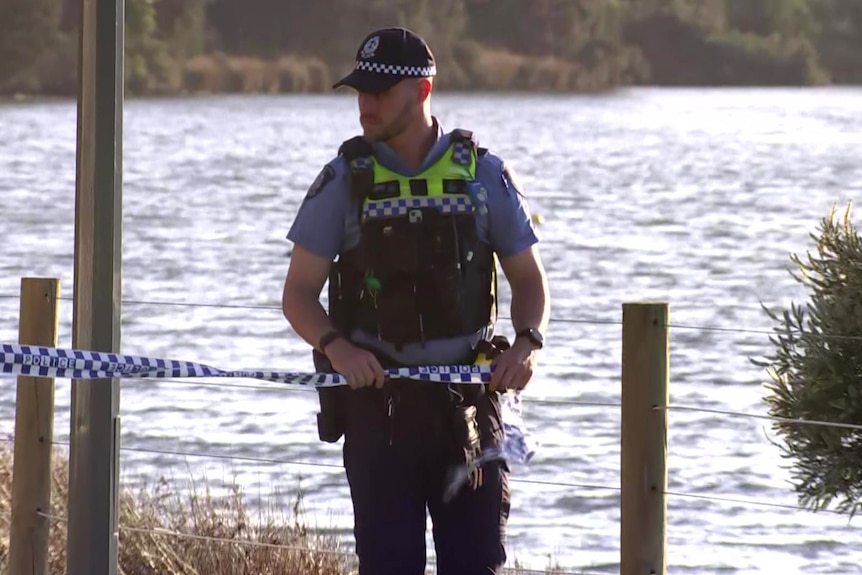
column 533, row 335
column 326, row 339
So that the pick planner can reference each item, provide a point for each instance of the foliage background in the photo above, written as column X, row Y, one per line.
column 188, row 46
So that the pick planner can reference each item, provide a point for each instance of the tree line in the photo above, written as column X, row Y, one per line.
column 182, row 46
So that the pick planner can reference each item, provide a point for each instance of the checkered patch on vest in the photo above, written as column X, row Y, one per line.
column 462, row 153
column 402, row 206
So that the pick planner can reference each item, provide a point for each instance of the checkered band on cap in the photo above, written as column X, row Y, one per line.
column 401, row 206
column 418, row 71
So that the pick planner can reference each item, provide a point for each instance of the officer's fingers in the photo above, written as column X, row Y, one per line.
column 371, row 373
column 505, row 376
column 522, row 376
column 365, row 374
column 492, row 381
column 367, row 364
column 356, row 371
column 345, row 375
column 514, row 377
column 358, row 379
column 498, row 377
column 520, row 379
column 510, row 381
column 379, row 375
column 373, row 377
column 528, row 375
column 360, row 374
column 351, row 379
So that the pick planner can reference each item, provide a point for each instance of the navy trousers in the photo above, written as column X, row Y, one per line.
column 397, row 468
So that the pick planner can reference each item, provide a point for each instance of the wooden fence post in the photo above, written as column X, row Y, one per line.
column 643, row 469
column 34, row 433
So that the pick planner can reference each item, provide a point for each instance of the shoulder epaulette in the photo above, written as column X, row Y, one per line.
column 468, row 137
column 358, row 152
column 356, row 147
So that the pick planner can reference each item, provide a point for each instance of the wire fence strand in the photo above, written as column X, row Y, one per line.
column 585, row 321
column 287, row 388
column 775, row 332
column 243, row 542
column 758, row 416
column 271, row 461
column 723, row 499
column 50, row 517
column 570, row 402
column 224, row 456
column 540, row 482
column 162, row 532
column 274, row 307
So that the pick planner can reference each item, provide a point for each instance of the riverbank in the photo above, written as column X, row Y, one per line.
column 476, row 69
column 176, row 47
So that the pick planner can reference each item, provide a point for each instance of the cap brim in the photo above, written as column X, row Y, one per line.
column 370, row 82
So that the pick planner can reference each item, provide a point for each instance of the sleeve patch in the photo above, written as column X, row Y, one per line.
column 324, row 177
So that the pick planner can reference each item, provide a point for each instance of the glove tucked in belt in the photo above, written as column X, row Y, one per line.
column 465, row 429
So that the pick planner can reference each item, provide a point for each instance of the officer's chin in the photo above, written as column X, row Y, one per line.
column 371, row 132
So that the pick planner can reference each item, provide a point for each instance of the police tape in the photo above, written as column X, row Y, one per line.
column 41, row 361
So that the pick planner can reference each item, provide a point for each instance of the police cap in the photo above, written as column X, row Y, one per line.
column 386, row 57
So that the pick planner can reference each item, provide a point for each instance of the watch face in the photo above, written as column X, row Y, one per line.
column 537, row 337
column 534, row 336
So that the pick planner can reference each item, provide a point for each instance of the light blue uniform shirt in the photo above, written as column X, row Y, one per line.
column 327, row 224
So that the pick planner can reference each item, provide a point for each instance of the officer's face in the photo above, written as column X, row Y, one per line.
column 387, row 114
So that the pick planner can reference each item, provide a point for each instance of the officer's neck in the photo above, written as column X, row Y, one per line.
column 413, row 144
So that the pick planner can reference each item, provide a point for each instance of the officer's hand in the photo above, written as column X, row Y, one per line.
column 359, row 366
column 513, row 368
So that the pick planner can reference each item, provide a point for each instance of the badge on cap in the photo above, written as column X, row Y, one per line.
column 323, row 178
column 370, row 47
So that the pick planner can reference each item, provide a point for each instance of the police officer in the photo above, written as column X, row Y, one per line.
column 407, row 223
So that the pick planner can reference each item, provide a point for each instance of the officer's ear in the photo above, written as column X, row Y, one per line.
column 426, row 86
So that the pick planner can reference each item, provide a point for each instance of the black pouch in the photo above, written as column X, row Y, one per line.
column 331, row 418
column 398, row 313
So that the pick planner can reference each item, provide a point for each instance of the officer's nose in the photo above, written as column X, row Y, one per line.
column 367, row 103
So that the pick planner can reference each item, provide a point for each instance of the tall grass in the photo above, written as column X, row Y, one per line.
column 164, row 531
column 221, row 73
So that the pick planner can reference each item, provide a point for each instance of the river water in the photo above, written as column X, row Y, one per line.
column 696, row 197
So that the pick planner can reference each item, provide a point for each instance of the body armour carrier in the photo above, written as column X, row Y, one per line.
column 419, row 270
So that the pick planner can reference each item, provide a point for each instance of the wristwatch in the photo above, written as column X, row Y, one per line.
column 534, row 335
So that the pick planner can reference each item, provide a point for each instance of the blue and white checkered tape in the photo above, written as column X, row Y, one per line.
column 41, row 361
column 458, row 204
